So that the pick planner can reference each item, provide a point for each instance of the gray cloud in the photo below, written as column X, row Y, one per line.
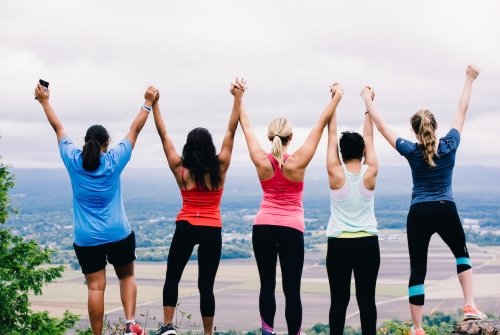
column 100, row 57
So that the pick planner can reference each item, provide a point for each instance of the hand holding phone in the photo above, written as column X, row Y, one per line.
column 45, row 84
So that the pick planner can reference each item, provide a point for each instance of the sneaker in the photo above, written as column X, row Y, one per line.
column 414, row 331
column 472, row 313
column 133, row 328
column 167, row 329
column 267, row 332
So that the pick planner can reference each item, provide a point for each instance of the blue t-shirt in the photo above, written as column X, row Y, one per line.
column 98, row 213
column 431, row 183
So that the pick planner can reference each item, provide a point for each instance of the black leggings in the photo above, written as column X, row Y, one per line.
column 345, row 256
column 186, row 236
column 269, row 242
column 425, row 219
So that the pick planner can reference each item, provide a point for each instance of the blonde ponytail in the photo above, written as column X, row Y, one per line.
column 277, row 149
column 278, row 133
column 424, row 125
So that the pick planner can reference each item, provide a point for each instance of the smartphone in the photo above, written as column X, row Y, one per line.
column 43, row 83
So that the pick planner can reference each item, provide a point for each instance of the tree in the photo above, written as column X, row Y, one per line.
column 23, row 271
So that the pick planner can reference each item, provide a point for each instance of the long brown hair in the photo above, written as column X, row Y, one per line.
column 424, row 125
column 199, row 157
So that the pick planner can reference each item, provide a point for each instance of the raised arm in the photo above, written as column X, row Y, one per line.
column 305, row 153
column 42, row 94
column 142, row 116
column 471, row 74
column 257, row 154
column 173, row 158
column 226, row 150
column 370, row 155
column 389, row 134
column 333, row 163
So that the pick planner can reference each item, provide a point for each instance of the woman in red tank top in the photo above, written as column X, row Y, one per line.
column 279, row 224
column 200, row 174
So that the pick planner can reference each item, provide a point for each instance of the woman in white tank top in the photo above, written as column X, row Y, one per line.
column 352, row 227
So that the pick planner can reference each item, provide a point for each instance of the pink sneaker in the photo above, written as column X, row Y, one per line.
column 134, row 328
column 472, row 313
column 419, row 331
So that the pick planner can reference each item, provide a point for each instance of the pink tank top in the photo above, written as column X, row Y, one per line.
column 282, row 201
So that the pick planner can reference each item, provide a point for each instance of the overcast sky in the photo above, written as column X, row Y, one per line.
column 99, row 57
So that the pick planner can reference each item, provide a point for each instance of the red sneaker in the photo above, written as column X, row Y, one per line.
column 134, row 328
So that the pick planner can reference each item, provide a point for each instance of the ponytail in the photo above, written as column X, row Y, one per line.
column 95, row 138
column 424, row 124
column 279, row 132
column 277, row 149
column 91, row 155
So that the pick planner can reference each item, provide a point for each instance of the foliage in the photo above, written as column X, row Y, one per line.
column 21, row 273
column 437, row 323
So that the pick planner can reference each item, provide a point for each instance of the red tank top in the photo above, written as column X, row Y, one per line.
column 200, row 207
column 282, row 201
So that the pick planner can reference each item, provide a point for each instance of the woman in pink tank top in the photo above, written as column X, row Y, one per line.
column 279, row 224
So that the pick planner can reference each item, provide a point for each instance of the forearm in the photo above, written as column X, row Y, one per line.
column 370, row 155
column 139, row 122
column 233, row 120
column 52, row 116
column 463, row 103
column 386, row 131
column 159, row 122
column 374, row 114
column 329, row 110
column 368, row 128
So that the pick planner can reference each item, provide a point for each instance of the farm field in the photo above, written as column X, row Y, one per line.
column 237, row 286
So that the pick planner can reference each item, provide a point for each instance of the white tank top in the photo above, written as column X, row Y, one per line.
column 352, row 207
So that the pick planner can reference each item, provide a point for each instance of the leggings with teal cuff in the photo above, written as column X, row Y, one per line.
column 425, row 219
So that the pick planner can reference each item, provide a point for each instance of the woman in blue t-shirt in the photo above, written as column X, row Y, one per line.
column 432, row 207
column 101, row 229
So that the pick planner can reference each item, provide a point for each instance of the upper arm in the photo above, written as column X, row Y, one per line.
column 60, row 133
column 370, row 154
column 332, row 150
column 257, row 154
column 305, row 153
column 389, row 134
column 173, row 158
column 131, row 137
column 228, row 141
column 226, row 150
column 66, row 148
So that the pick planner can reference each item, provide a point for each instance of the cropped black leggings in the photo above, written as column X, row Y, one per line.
column 269, row 242
column 345, row 256
column 186, row 236
column 425, row 219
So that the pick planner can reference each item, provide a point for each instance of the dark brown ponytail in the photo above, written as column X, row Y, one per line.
column 95, row 138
